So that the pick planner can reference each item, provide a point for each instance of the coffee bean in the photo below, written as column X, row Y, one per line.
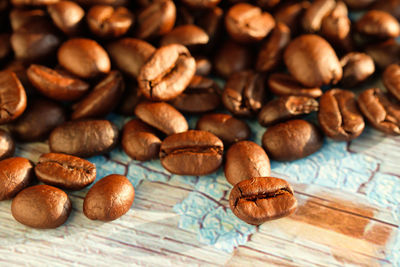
column 291, row 140
column 5, row 46
column 339, row 116
column 84, row 58
column 359, row 4
column 211, row 20
column 67, row 16
column 139, row 141
column 285, row 108
column 41, row 206
column 261, row 199
column 231, row 58
column 105, row 2
column 33, row 2
column 192, row 153
column 109, row 198
column 291, row 14
column 7, row 145
column 84, row 138
column 203, row 66
column 201, row 4
column 246, row 23
column 190, row 36
column 391, row 80
column 167, row 73
column 131, row 97
column 384, row 53
column 20, row 17
column 378, row 25
column 312, row 61
column 15, row 174
column 12, row 97
column 390, row 6
column 282, row 84
column 380, row 111
column 245, row 160
column 266, row 4
column 357, row 67
column 19, row 68
column 312, row 18
column 162, row 116
column 224, row 126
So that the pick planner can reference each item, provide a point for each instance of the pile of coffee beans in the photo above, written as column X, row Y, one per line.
column 67, row 64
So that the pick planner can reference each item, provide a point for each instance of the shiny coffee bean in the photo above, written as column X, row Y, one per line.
column 192, row 153
column 130, row 99
column 357, row 67
column 314, row 15
column 339, row 116
column 231, row 58
column 67, row 16
column 189, row 35
column 245, row 160
column 384, row 53
column 65, row 171
column 84, row 138
column 167, row 73
column 84, row 58
column 139, row 141
column 291, row 14
column 102, row 99
column 15, row 174
column 12, row 97
column 312, row 61
column 201, row 4
column 109, row 198
column 291, row 140
column 7, row 145
column 378, row 24
column 203, row 66
column 380, row 111
column 282, row 84
column 162, row 116
column 286, row 108
column 261, row 199
column 391, row 80
column 41, row 206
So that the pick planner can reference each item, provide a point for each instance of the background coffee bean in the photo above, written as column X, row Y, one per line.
column 378, row 24
column 291, row 14
column 357, row 67
column 5, row 46
column 384, row 53
column 7, row 145
column 15, row 174
column 282, row 84
column 20, row 17
column 314, row 14
column 391, row 80
column 67, row 16
column 201, row 4
column 189, row 35
column 33, row 2
column 203, row 66
column 12, row 97
column 359, row 4
column 390, row 6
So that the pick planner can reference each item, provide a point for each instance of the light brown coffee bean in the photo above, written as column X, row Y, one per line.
column 378, row 24
column 314, row 15
column 189, row 35
column 15, row 174
column 7, row 145
column 357, row 67
column 391, row 80
column 67, row 16
column 12, row 97
column 282, row 84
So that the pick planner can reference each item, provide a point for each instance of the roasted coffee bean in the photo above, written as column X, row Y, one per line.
column 84, row 138
column 224, row 126
column 282, row 84
column 130, row 54
column 131, row 97
column 109, row 198
column 102, row 99
column 378, row 24
column 189, row 35
column 12, row 97
column 357, row 67
column 391, row 80
column 271, row 53
column 41, row 206
column 167, row 73
column 5, row 46
column 286, row 108
column 139, row 141
column 55, row 84
column 385, row 53
column 202, row 95
column 245, row 160
column 201, row 4
column 156, row 19
column 390, row 6
column 67, row 16
column 291, row 140
column 162, row 116
column 231, row 58
column 266, row 4
column 15, row 174
column 84, row 58
column 33, row 2
column 312, row 61
column 359, row 4
column 20, row 17
column 246, row 23
column 211, row 20
column 314, row 14
column 244, row 93
column 192, row 153
column 339, row 116
column 380, row 111
column 261, row 199
column 291, row 14
column 7, row 145
column 203, row 66
column 19, row 68
column 107, row 21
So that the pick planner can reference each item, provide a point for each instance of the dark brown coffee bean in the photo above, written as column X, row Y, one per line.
column 246, row 23
column 291, row 140
column 67, row 16
column 202, row 95
column 211, row 20
column 385, row 53
column 56, row 85
column 129, row 54
column 244, row 93
column 7, row 145
column 266, row 4
column 203, row 66
column 107, row 21
column 378, row 24
column 15, row 174
column 201, row 4
column 312, row 61
column 167, row 73
column 282, row 84
column 84, row 58
column 109, row 198
column 84, row 138
column 156, row 19
column 192, row 153
column 261, row 199
column 33, row 2
column 390, row 6
column 231, row 58
column 5, row 46
column 105, row 2
column 339, row 116
column 314, row 15
column 131, row 97
column 20, row 17
column 224, row 126
column 359, row 4
column 162, row 116
column 291, row 14
column 286, row 108
column 271, row 53
column 102, row 99
column 380, row 111
column 189, row 35
column 41, row 206
column 12, row 97
column 391, row 80
column 357, row 67
column 245, row 160
column 139, row 141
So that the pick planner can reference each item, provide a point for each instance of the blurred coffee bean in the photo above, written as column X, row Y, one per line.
column 390, row 6
column 201, row 4
column 67, row 16
column 211, row 20
column 359, row 4
column 104, row 2
column 33, row 2
column 20, row 17
column 357, row 67
column 5, row 46
column 190, row 36
column 282, row 84
column 267, row 4
column 231, row 58
column 391, row 80
column 378, row 25
column 7, row 145
column 291, row 14
column 315, row 13
column 384, row 53
column 12, row 97
column 203, row 66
